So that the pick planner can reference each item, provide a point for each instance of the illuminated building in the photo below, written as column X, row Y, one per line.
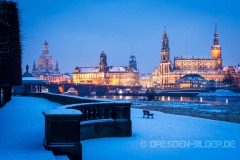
column 46, row 70
column 106, row 75
column 167, row 73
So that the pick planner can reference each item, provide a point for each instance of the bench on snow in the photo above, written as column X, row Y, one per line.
column 147, row 113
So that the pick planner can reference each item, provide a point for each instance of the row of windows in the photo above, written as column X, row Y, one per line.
column 195, row 66
column 211, row 62
column 89, row 76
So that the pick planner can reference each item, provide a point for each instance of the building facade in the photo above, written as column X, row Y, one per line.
column 107, row 75
column 167, row 73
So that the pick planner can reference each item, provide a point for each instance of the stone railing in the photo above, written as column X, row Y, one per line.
column 88, row 118
column 104, row 119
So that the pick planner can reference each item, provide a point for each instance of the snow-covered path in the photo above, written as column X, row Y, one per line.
column 22, row 129
column 166, row 137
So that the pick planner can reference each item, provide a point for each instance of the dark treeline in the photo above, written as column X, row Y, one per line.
column 10, row 49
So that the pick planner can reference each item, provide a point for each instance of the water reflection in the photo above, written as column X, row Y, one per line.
column 211, row 100
column 226, row 101
column 163, row 98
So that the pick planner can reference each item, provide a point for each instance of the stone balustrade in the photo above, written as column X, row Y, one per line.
column 81, row 119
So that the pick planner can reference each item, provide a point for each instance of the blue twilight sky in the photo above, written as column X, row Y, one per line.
column 79, row 30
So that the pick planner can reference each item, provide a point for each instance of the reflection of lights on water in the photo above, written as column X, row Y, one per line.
column 200, row 99
column 163, row 98
column 104, row 97
column 226, row 101
column 181, row 98
column 128, row 97
column 168, row 98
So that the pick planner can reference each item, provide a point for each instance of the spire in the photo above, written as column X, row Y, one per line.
column 216, row 39
column 45, row 47
column 216, row 50
column 216, row 28
column 56, row 67
column 34, row 69
column 165, row 51
column 45, row 43
column 165, row 46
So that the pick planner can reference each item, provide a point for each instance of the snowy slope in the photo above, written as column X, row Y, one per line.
column 149, row 133
column 22, row 129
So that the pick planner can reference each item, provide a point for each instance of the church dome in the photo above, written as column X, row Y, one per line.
column 45, row 62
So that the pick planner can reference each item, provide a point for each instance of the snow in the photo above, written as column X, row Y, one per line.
column 32, row 80
column 22, row 132
column 144, row 76
column 96, row 121
column 221, row 93
column 214, row 110
column 22, row 129
column 225, row 68
column 117, row 69
column 89, row 69
column 63, row 111
column 152, row 138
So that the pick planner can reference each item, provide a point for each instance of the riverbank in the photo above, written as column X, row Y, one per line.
column 228, row 113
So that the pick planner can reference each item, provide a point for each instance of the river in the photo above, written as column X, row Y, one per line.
column 211, row 100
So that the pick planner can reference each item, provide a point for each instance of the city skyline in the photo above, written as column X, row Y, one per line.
column 78, row 31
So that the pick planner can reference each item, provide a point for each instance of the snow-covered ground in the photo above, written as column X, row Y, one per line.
column 229, row 113
column 22, row 129
column 220, row 93
column 166, row 136
column 169, row 137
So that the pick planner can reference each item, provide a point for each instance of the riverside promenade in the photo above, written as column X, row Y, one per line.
column 166, row 136
column 22, row 129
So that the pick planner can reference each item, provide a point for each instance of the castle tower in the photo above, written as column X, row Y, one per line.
column 165, row 54
column 216, row 49
column 103, row 62
column 133, row 62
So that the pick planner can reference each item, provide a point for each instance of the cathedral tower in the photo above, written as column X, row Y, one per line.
column 216, row 49
column 165, row 54
column 165, row 51
column 103, row 62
